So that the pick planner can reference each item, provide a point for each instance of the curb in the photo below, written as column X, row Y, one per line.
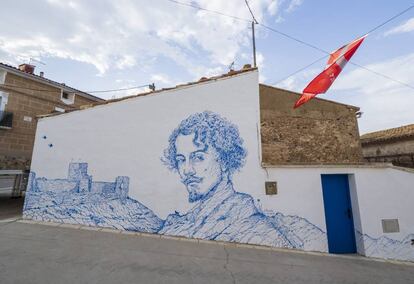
column 209, row 242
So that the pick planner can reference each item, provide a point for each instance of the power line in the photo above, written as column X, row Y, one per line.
column 304, row 42
column 382, row 75
column 117, row 90
column 351, row 62
column 293, row 38
column 327, row 52
column 299, row 70
column 207, row 10
column 89, row 92
column 390, row 19
column 251, row 13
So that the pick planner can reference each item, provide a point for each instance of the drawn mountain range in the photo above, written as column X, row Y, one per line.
column 232, row 216
column 385, row 247
column 229, row 217
column 98, row 211
column 79, row 200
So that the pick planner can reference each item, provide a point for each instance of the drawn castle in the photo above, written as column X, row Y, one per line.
column 79, row 181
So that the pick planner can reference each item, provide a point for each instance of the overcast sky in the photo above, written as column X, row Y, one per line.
column 96, row 45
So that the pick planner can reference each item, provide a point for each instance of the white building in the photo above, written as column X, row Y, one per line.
column 187, row 161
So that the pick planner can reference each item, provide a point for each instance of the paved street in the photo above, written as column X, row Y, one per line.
column 35, row 253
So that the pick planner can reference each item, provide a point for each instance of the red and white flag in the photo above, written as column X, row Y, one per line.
column 336, row 62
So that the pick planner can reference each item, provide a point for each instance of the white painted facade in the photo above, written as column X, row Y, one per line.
column 128, row 138
column 377, row 193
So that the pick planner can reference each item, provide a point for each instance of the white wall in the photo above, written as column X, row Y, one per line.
column 128, row 138
column 376, row 193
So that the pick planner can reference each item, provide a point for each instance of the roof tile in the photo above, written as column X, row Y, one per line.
column 388, row 134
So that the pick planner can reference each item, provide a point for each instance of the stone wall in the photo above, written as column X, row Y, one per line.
column 399, row 152
column 26, row 102
column 319, row 132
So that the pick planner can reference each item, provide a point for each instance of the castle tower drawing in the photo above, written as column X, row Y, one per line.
column 78, row 172
column 122, row 187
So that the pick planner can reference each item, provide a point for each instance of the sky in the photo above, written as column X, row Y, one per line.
column 101, row 44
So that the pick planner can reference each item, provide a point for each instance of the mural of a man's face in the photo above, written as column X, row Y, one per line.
column 198, row 166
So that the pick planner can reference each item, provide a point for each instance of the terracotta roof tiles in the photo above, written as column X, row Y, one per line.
column 231, row 73
column 48, row 81
column 388, row 134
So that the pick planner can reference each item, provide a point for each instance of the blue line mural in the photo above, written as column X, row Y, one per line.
column 226, row 215
column 205, row 151
column 80, row 200
column 385, row 247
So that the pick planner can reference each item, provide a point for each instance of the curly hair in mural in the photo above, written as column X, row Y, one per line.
column 210, row 130
column 206, row 150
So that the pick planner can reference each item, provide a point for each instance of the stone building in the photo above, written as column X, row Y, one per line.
column 23, row 96
column 320, row 132
column 395, row 145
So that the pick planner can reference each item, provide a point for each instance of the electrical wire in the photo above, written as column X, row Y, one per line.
column 117, row 90
column 390, row 19
column 207, row 10
column 299, row 70
column 382, row 75
column 351, row 62
column 251, row 12
column 306, row 43
column 89, row 92
column 266, row 27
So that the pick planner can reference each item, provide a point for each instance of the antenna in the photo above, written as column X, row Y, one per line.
column 35, row 60
column 231, row 66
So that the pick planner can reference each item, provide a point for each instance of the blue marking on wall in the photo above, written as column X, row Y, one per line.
column 385, row 247
column 206, row 170
column 220, row 212
column 229, row 216
column 80, row 200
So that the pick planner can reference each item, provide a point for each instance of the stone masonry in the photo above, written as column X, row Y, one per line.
column 16, row 144
column 319, row 132
column 395, row 145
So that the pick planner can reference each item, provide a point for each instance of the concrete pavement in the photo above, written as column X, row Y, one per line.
column 34, row 253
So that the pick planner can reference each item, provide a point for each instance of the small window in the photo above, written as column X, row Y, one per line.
column 6, row 118
column 67, row 98
column 3, row 100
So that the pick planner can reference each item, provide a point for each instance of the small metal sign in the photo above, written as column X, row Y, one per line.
column 271, row 187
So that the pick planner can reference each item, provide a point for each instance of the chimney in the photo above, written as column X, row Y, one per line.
column 28, row 68
column 41, row 74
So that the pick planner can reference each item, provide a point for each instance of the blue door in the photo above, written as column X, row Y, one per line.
column 338, row 214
